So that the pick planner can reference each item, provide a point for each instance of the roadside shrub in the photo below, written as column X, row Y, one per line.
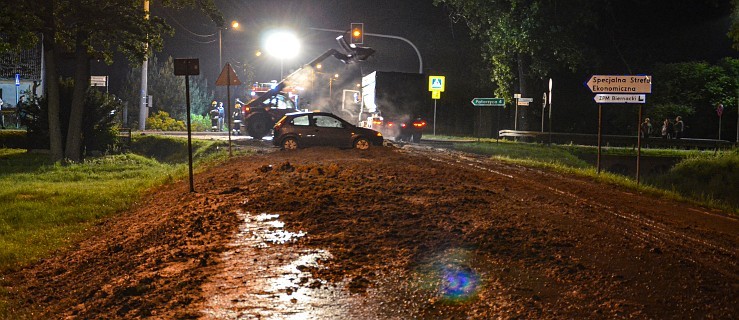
column 199, row 123
column 171, row 149
column 162, row 121
column 706, row 177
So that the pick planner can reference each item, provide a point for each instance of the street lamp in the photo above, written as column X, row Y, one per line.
column 281, row 44
column 234, row 25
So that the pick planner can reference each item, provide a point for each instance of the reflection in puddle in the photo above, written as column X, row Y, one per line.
column 265, row 228
column 263, row 279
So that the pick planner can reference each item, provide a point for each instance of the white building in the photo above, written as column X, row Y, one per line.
column 27, row 65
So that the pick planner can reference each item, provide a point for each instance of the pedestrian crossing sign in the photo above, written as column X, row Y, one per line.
column 436, row 83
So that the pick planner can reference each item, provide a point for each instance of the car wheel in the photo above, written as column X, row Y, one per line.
column 362, row 144
column 417, row 138
column 259, row 125
column 289, row 143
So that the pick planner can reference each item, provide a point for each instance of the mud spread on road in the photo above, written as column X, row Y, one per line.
column 392, row 234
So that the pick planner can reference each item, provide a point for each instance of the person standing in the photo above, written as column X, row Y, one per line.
column 679, row 127
column 646, row 128
column 665, row 129
column 221, row 116
column 213, row 116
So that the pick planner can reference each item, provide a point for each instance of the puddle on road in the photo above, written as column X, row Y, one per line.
column 265, row 276
column 262, row 277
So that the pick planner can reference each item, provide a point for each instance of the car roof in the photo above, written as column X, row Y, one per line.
column 309, row 112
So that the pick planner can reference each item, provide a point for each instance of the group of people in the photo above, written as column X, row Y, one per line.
column 669, row 130
column 19, row 111
column 218, row 116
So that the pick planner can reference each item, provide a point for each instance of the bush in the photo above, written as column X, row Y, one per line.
column 170, row 149
column 162, row 121
column 199, row 123
column 706, row 177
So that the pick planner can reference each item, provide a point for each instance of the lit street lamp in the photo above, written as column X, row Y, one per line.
column 281, row 44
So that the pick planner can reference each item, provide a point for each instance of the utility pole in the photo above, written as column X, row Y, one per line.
column 143, row 111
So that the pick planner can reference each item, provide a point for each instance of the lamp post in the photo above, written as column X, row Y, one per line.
column 234, row 25
column 330, row 89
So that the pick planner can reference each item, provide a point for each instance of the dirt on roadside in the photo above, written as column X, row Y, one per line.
column 391, row 233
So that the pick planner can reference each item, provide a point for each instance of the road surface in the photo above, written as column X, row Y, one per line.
column 393, row 233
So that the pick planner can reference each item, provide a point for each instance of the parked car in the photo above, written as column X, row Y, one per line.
column 306, row 129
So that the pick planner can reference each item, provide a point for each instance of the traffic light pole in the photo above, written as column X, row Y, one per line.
column 418, row 53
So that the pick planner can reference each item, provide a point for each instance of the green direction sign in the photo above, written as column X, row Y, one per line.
column 488, row 102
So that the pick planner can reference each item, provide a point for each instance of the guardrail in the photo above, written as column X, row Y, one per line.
column 615, row 140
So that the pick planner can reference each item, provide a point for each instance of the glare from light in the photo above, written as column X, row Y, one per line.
column 282, row 44
column 336, row 75
column 258, row 53
column 235, row 24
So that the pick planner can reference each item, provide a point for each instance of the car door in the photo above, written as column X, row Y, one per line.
column 331, row 131
column 302, row 128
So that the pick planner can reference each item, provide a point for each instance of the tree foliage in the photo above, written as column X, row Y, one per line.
column 692, row 90
column 734, row 29
column 526, row 39
column 89, row 29
column 99, row 128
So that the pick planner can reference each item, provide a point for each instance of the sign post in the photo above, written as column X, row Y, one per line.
column 436, row 86
column 543, row 107
column 720, row 113
column 227, row 78
column 17, row 86
column 550, row 111
column 187, row 68
column 619, row 89
column 489, row 102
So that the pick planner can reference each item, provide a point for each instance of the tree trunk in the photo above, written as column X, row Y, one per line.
column 52, row 84
column 73, row 151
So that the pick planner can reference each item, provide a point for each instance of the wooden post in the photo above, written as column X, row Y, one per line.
column 600, row 125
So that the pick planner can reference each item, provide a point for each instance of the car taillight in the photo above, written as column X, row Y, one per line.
column 419, row 124
column 402, row 125
column 390, row 124
column 247, row 109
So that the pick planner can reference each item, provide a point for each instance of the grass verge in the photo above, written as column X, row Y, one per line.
column 47, row 206
column 709, row 179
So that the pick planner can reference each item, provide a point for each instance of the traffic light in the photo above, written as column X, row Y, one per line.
column 357, row 33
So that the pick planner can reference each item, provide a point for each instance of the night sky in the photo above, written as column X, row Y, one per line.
column 631, row 38
column 427, row 26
